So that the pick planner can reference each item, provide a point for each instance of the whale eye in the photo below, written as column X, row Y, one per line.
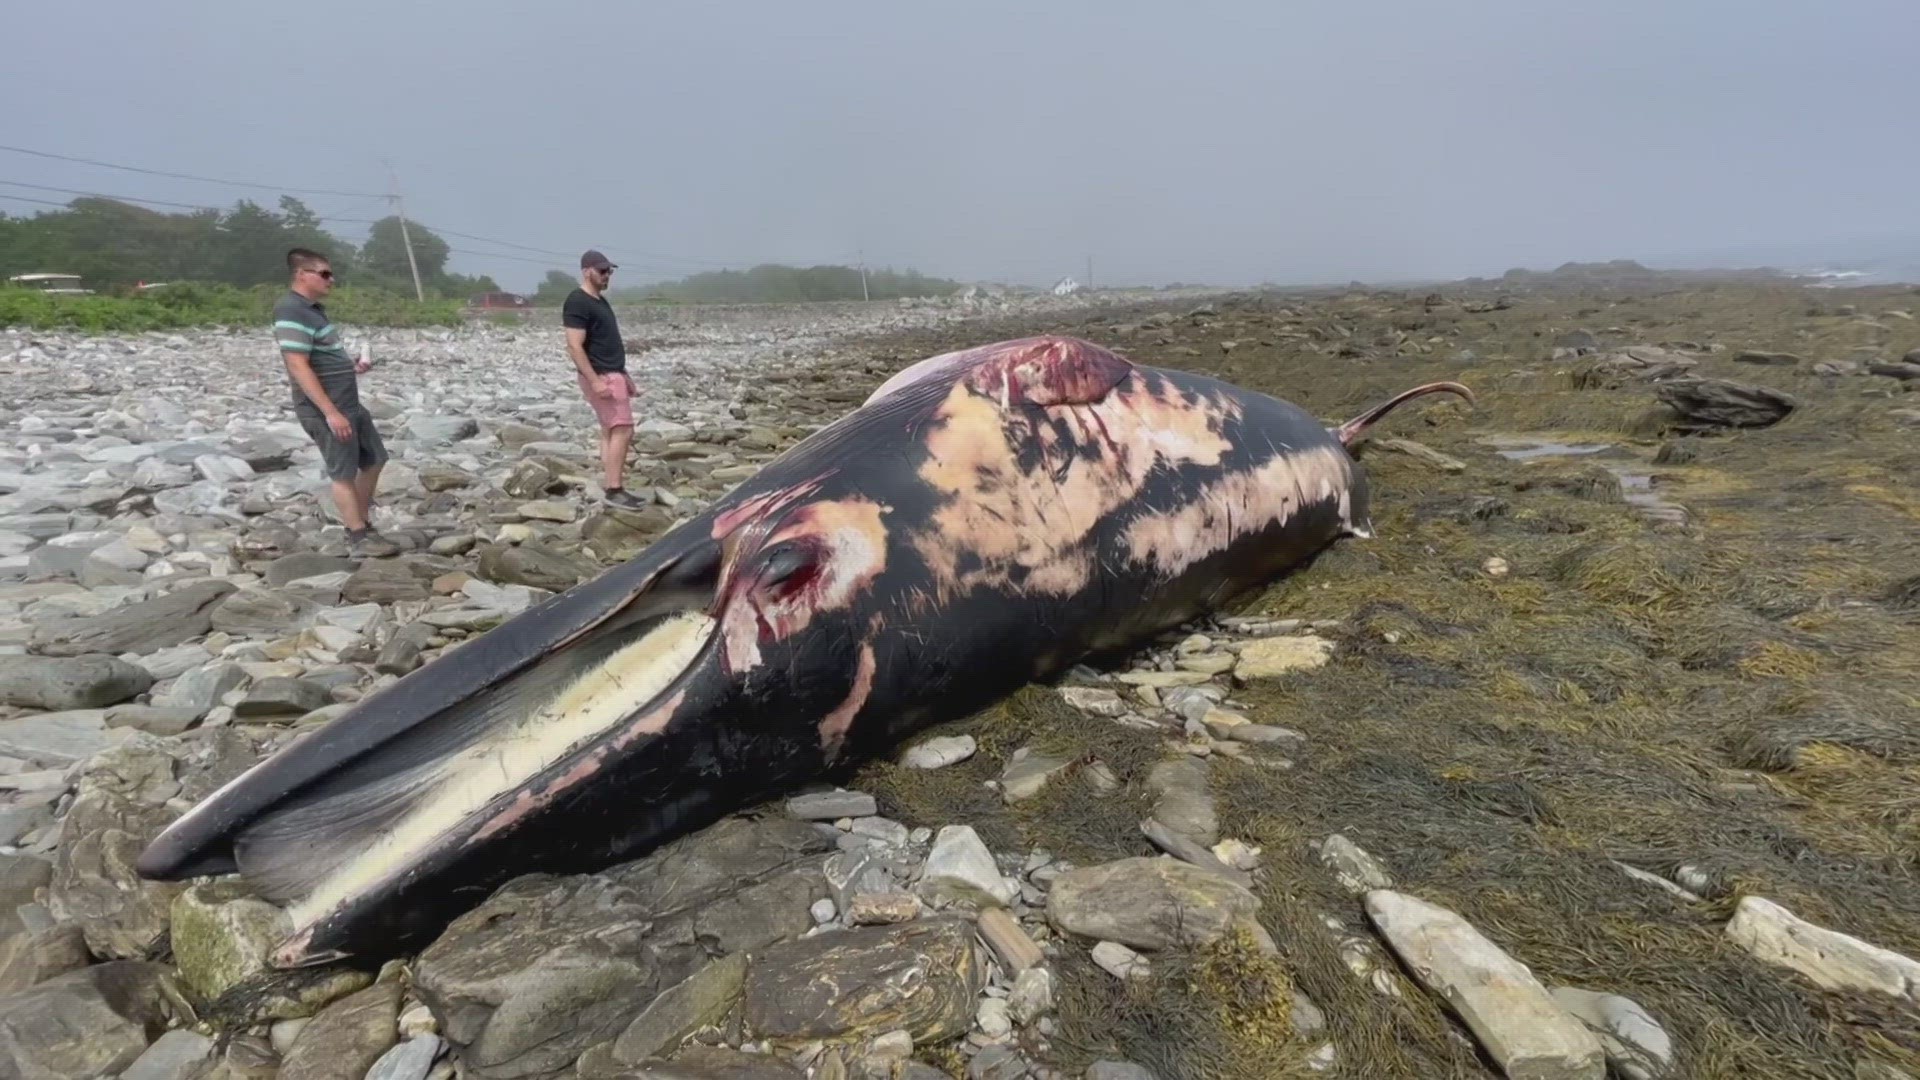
column 789, row 568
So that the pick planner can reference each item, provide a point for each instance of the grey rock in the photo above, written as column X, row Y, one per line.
column 299, row 565
column 441, row 430
column 199, row 690
column 281, row 696
column 140, row 628
column 1637, row 1046
column 387, row 581
column 70, row 682
column 1118, row 1070
column 346, row 1038
column 96, row 1021
column 259, row 612
column 921, row 977
column 1150, row 903
column 1511, row 1015
column 960, row 868
column 56, row 739
column 152, row 719
column 1185, row 799
column 831, row 805
column 176, row 1055
column 702, row 998
column 549, row 966
column 1027, row 773
column 410, row 1060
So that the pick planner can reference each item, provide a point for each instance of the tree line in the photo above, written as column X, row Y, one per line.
column 115, row 245
column 767, row 283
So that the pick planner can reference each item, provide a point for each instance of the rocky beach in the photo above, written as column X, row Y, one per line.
column 1597, row 760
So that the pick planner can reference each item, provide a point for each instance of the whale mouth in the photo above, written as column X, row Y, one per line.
column 366, row 808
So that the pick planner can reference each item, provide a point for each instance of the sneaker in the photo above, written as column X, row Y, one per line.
column 623, row 497
column 371, row 544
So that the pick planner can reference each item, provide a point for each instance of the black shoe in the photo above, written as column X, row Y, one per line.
column 624, row 498
column 370, row 544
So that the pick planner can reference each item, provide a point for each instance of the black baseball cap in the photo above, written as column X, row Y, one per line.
column 593, row 260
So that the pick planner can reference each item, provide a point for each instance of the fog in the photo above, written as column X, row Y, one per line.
column 1227, row 143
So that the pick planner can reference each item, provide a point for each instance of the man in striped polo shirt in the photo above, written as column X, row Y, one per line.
column 326, row 398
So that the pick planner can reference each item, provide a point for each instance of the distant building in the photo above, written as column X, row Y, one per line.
column 1066, row 286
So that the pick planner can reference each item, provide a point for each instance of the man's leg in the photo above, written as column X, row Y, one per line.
column 340, row 461
column 346, row 499
column 363, row 486
column 613, row 455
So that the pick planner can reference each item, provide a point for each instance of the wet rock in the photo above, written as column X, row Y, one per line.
column 1757, row 356
column 698, row 1000
column 1828, row 958
column 1149, row 903
column 401, row 654
column 1184, row 799
column 1637, row 1047
column 549, row 966
column 199, row 690
column 96, row 1021
column 1191, row 852
column 140, row 628
column 1266, row 658
column 921, row 977
column 1514, row 1018
column 1424, row 454
column 960, row 869
column 347, row 1037
column 939, row 752
column 70, row 682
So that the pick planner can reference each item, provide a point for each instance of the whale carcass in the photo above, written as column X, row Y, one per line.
column 986, row 519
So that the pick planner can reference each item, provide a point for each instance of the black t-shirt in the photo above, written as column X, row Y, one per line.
column 605, row 350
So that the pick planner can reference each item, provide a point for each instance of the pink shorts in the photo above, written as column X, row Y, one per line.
column 611, row 412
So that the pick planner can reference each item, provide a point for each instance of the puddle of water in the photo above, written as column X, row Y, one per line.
column 1635, row 487
column 1522, row 449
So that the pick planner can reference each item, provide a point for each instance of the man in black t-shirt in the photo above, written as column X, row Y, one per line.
column 600, row 366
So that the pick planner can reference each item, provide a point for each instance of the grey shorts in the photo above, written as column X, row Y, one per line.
column 344, row 460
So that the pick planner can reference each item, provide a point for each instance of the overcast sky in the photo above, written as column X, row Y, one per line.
column 1227, row 143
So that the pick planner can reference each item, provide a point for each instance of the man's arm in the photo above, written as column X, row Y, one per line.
column 577, row 348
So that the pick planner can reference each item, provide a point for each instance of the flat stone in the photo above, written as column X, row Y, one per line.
column 546, row 510
column 698, row 1000
column 1188, row 851
column 176, row 1055
column 1357, row 871
column 1149, row 903
column 1511, row 1014
column 1027, row 773
column 1185, row 799
column 1119, row 961
column 57, row 739
column 921, row 977
column 1094, row 700
column 939, row 752
column 1828, row 958
column 1161, row 680
column 831, row 805
column 1266, row 658
column 70, row 682
column 883, row 909
column 282, row 697
column 1637, row 1046
column 411, row 1059
column 1119, row 1070
column 1012, row 944
column 140, row 628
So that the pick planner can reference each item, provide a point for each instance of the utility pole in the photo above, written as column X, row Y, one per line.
column 863, row 274
column 399, row 209
column 1089, row 272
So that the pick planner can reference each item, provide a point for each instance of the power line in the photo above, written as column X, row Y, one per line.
column 189, row 176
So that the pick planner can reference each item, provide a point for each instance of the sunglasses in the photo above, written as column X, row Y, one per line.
column 328, row 274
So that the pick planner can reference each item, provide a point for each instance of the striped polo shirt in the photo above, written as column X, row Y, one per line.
column 301, row 325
